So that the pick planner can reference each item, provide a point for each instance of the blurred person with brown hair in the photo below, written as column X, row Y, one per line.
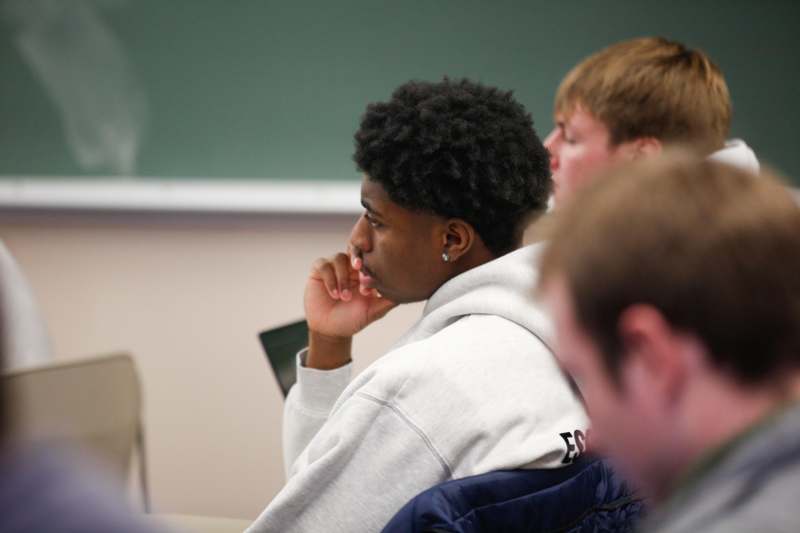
column 675, row 288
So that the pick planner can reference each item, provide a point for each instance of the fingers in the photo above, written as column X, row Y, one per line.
column 321, row 270
column 371, row 293
column 342, row 269
column 355, row 258
column 336, row 275
column 366, row 291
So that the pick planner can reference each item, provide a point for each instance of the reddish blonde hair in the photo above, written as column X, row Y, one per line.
column 651, row 87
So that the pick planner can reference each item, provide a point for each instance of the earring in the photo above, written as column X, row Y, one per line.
column 445, row 257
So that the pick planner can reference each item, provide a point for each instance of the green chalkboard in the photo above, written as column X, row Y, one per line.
column 273, row 89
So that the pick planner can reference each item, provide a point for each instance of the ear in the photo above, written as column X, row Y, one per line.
column 640, row 147
column 654, row 364
column 648, row 146
column 458, row 238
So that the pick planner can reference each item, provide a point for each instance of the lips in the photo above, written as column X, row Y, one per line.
column 365, row 278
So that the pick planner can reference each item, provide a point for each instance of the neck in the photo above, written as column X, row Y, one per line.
column 475, row 257
column 729, row 410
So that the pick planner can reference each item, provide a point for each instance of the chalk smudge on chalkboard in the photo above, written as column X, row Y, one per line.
column 84, row 70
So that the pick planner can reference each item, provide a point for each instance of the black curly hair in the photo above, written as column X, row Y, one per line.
column 458, row 149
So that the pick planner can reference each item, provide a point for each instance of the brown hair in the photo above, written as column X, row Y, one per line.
column 651, row 87
column 715, row 249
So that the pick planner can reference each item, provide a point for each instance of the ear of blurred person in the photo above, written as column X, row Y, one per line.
column 673, row 284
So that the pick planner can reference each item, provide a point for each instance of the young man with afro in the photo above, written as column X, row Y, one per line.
column 453, row 173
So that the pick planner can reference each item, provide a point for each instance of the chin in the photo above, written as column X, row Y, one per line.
column 398, row 299
column 389, row 295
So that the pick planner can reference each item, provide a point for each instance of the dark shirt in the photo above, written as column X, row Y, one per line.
column 45, row 490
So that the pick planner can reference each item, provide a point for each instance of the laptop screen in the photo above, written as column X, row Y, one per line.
column 281, row 345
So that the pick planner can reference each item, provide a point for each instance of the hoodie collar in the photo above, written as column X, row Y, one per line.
column 736, row 153
column 504, row 287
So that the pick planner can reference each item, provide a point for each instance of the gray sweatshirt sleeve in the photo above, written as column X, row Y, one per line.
column 365, row 463
column 308, row 404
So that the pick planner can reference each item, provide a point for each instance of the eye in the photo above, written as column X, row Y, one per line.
column 371, row 220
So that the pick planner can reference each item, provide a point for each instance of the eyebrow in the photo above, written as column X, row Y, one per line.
column 369, row 207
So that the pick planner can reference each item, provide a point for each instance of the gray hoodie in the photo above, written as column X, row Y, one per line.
column 471, row 388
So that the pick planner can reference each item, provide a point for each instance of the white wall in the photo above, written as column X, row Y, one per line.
column 186, row 295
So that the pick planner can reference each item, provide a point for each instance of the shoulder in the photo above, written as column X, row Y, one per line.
column 751, row 495
column 479, row 361
column 473, row 340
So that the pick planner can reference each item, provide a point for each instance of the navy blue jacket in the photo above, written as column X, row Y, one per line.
column 584, row 496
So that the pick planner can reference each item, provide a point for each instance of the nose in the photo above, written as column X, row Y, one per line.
column 551, row 143
column 360, row 241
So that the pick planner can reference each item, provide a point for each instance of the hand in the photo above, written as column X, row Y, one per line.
column 337, row 307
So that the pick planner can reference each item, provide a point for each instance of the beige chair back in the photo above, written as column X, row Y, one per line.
column 93, row 404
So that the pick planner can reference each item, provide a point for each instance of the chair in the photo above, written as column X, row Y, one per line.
column 93, row 404
column 584, row 496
